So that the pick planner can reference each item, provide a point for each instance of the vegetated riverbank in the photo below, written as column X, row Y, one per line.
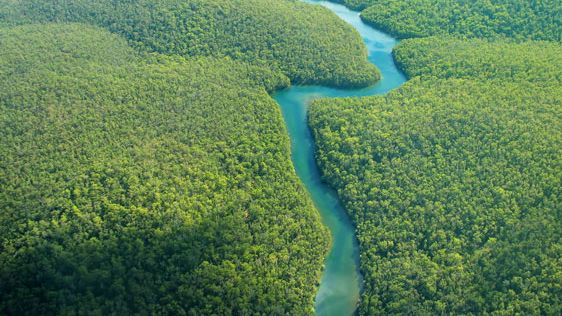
column 144, row 167
column 453, row 181
column 341, row 282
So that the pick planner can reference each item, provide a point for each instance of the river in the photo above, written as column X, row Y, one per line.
column 341, row 282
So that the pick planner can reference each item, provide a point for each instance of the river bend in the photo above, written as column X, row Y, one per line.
column 341, row 281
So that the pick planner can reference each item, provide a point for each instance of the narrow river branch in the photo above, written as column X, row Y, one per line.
column 341, row 282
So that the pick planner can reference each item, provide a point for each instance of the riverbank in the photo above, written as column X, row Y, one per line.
column 341, row 282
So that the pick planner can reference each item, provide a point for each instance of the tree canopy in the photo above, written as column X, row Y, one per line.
column 453, row 180
column 517, row 19
column 446, row 57
column 282, row 35
column 146, row 184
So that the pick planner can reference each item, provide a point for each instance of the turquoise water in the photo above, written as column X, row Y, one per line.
column 340, row 286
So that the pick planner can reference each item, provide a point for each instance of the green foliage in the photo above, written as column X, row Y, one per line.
column 357, row 5
column 146, row 185
column 443, row 57
column 282, row 35
column 454, row 186
column 520, row 19
column 453, row 181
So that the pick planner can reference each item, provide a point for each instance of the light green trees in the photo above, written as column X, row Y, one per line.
column 517, row 19
column 146, row 184
column 282, row 35
column 453, row 180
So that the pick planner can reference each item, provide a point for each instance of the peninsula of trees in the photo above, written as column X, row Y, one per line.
column 144, row 167
column 453, row 180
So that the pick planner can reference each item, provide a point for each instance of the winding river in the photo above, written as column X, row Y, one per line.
column 341, row 282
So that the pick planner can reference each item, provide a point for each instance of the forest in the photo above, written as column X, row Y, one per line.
column 282, row 35
column 446, row 57
column 454, row 186
column 120, row 194
column 453, row 180
column 145, row 168
column 515, row 19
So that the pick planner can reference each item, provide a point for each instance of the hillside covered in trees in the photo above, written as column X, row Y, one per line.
column 516, row 19
column 145, row 169
column 283, row 35
column 146, row 184
column 453, row 181
column 484, row 60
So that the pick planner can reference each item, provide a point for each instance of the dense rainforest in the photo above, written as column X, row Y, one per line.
column 144, row 167
column 282, row 35
column 453, row 181
column 152, row 185
column 516, row 19
column 455, row 189
column 444, row 57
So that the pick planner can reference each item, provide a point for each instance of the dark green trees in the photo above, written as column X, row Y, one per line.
column 144, row 168
column 454, row 187
column 281, row 35
column 149, row 185
column 446, row 57
column 453, row 181
column 517, row 19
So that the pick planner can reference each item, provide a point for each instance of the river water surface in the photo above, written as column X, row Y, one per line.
column 341, row 281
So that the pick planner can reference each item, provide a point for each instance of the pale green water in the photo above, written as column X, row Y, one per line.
column 340, row 286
